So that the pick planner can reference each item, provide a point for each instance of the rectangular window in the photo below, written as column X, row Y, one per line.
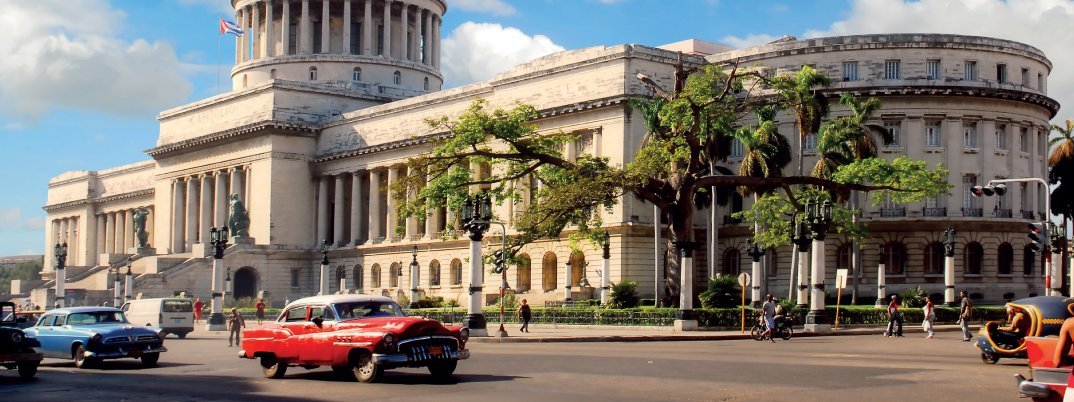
column 737, row 149
column 356, row 37
column 380, row 40
column 1001, row 73
column 850, row 71
column 971, row 71
column 1040, row 82
column 811, row 142
column 932, row 134
column 1025, row 77
column 294, row 278
column 1023, row 196
column 968, row 200
column 891, row 70
column 1001, row 136
column 1042, row 139
column 932, row 69
column 894, row 129
column 934, row 202
column 292, row 39
column 317, row 36
column 1023, row 139
column 969, row 135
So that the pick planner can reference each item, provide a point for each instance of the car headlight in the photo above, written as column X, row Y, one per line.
column 95, row 338
column 389, row 342
column 464, row 333
column 16, row 337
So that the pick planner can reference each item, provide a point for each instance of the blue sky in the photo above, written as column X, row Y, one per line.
column 82, row 81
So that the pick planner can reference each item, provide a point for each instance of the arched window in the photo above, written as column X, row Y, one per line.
column 456, row 272
column 359, row 278
column 732, row 262
column 934, row 258
column 548, row 272
column 313, row 73
column 1006, row 259
column 397, row 78
column 577, row 267
column 893, row 255
column 1028, row 260
column 426, row 83
column 434, row 273
column 522, row 283
column 845, row 252
column 374, row 276
column 972, row 258
column 356, row 74
column 393, row 275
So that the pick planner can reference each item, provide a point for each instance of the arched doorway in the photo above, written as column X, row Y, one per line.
column 245, row 281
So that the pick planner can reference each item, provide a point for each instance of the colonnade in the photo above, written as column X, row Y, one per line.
column 201, row 201
column 416, row 38
column 65, row 230
column 115, row 230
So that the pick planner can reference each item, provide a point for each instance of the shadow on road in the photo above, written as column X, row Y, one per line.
column 108, row 365
column 401, row 377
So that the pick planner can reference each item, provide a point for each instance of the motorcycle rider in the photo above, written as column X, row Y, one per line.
column 768, row 310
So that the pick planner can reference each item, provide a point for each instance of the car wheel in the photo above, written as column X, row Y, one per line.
column 989, row 359
column 150, row 359
column 365, row 370
column 787, row 333
column 443, row 368
column 756, row 332
column 181, row 335
column 271, row 367
column 28, row 369
column 81, row 361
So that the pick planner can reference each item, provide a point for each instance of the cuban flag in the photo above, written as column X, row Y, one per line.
column 230, row 27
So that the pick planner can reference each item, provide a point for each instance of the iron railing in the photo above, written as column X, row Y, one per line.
column 1003, row 213
column 892, row 212
column 1027, row 214
column 972, row 212
column 933, row 211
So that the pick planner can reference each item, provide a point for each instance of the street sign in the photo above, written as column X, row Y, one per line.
column 841, row 278
column 744, row 279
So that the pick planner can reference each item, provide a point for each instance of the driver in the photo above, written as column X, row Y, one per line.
column 1019, row 323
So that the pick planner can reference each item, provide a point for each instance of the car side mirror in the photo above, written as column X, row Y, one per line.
column 318, row 321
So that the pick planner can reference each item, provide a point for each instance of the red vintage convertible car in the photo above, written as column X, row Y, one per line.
column 358, row 334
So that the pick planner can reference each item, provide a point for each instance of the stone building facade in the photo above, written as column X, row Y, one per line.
column 323, row 116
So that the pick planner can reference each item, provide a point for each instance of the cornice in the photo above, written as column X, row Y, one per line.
column 931, row 90
column 279, row 127
column 202, row 169
column 101, row 200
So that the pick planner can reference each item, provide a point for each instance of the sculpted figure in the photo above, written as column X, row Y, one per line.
column 140, row 233
column 238, row 221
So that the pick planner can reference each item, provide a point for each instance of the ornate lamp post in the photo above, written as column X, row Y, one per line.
column 881, row 281
column 476, row 215
column 227, row 286
column 61, row 273
column 342, row 280
column 949, row 267
column 819, row 215
column 414, row 277
column 117, row 289
column 218, row 239
column 323, row 289
column 567, row 282
column 756, row 252
column 128, row 287
column 800, row 237
column 605, row 269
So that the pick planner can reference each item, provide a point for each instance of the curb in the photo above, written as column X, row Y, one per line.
column 675, row 338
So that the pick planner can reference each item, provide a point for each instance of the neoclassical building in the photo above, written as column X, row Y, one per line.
column 329, row 99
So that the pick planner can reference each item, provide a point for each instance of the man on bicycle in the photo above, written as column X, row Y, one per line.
column 768, row 310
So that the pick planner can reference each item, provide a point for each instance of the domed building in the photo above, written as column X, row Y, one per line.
column 329, row 99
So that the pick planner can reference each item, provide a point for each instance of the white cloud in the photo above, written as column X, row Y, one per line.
column 749, row 40
column 475, row 52
column 10, row 218
column 221, row 6
column 494, row 7
column 64, row 53
column 35, row 224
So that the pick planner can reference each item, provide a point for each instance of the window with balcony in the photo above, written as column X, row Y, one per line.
column 932, row 134
column 935, row 206
column 891, row 70
column 1001, row 73
column 969, row 135
column 932, row 69
column 1025, row 77
column 850, row 71
column 894, row 129
column 890, row 208
column 1001, row 136
column 970, row 206
column 1002, row 209
column 1023, row 201
column 970, row 73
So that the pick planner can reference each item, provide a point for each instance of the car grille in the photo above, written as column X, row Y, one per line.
column 147, row 338
column 422, row 349
column 118, row 339
column 124, row 339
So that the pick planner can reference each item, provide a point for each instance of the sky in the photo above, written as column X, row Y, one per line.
column 81, row 81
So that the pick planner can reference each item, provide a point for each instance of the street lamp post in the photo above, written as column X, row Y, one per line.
column 800, row 236
column 949, row 267
column 414, row 277
column 117, row 289
column 567, row 283
column 756, row 252
column 881, row 281
column 819, row 215
column 218, row 239
column 227, row 286
column 128, row 287
column 342, row 280
column 605, row 270
column 476, row 215
column 324, row 268
column 61, row 273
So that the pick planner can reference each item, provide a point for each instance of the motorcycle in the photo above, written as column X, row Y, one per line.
column 783, row 328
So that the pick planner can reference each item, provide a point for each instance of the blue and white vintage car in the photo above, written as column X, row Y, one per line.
column 91, row 334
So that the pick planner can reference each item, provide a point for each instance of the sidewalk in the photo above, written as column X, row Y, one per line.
column 568, row 333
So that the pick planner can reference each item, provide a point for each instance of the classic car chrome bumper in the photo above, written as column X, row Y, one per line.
column 1031, row 389
column 403, row 359
column 125, row 353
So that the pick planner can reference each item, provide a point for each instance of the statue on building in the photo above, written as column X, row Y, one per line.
column 140, row 216
column 238, row 221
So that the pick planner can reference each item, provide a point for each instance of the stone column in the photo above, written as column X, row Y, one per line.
column 388, row 28
column 411, row 221
column 803, row 277
column 238, row 39
column 881, row 286
column 109, row 233
column 102, row 236
column 356, row 206
column 179, row 189
column 237, row 187
column 206, row 208
column 949, row 280
column 326, row 33
column 255, row 32
column 426, row 35
column 431, row 218
column 436, row 42
column 220, row 199
column 346, row 26
column 245, row 30
column 285, row 28
column 755, row 287
column 191, row 211
column 305, row 29
column 270, row 39
column 390, row 204
column 375, row 221
column 120, row 245
column 405, row 40
column 817, row 319
column 338, row 212
column 367, row 29
column 475, row 318
column 322, row 209
column 128, row 230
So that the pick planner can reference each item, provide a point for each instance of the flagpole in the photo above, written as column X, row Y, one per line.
column 218, row 62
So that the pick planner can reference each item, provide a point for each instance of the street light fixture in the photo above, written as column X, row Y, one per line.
column 324, row 268
column 476, row 219
column 129, row 288
column 414, row 267
column 819, row 215
column 218, row 238
column 800, row 237
column 605, row 268
column 117, row 288
column 61, row 274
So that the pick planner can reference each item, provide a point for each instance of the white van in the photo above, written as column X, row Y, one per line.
column 172, row 315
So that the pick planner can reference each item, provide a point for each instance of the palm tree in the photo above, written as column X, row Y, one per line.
column 1061, row 171
column 799, row 93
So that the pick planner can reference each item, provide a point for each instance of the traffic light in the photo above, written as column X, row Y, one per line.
column 1038, row 236
column 1059, row 242
column 499, row 261
column 988, row 191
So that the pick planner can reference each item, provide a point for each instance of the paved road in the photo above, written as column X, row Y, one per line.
column 871, row 368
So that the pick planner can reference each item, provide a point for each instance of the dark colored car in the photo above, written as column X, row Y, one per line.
column 91, row 334
column 16, row 349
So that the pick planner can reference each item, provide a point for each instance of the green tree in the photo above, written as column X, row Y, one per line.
column 26, row 270
column 1061, row 171
column 801, row 95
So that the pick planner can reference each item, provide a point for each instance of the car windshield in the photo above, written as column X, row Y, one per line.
column 368, row 309
column 7, row 314
column 96, row 317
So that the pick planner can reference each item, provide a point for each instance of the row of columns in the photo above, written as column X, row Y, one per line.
column 201, row 201
column 65, row 230
column 423, row 47
column 115, row 231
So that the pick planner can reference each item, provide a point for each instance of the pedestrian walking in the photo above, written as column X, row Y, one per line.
column 894, row 318
column 260, row 306
column 198, row 305
column 235, row 324
column 965, row 313
column 525, row 315
column 768, row 310
column 930, row 318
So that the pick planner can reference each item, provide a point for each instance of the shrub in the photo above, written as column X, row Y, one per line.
column 913, row 297
column 430, row 302
column 624, row 294
column 723, row 292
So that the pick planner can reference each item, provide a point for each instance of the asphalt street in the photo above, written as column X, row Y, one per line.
column 845, row 368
